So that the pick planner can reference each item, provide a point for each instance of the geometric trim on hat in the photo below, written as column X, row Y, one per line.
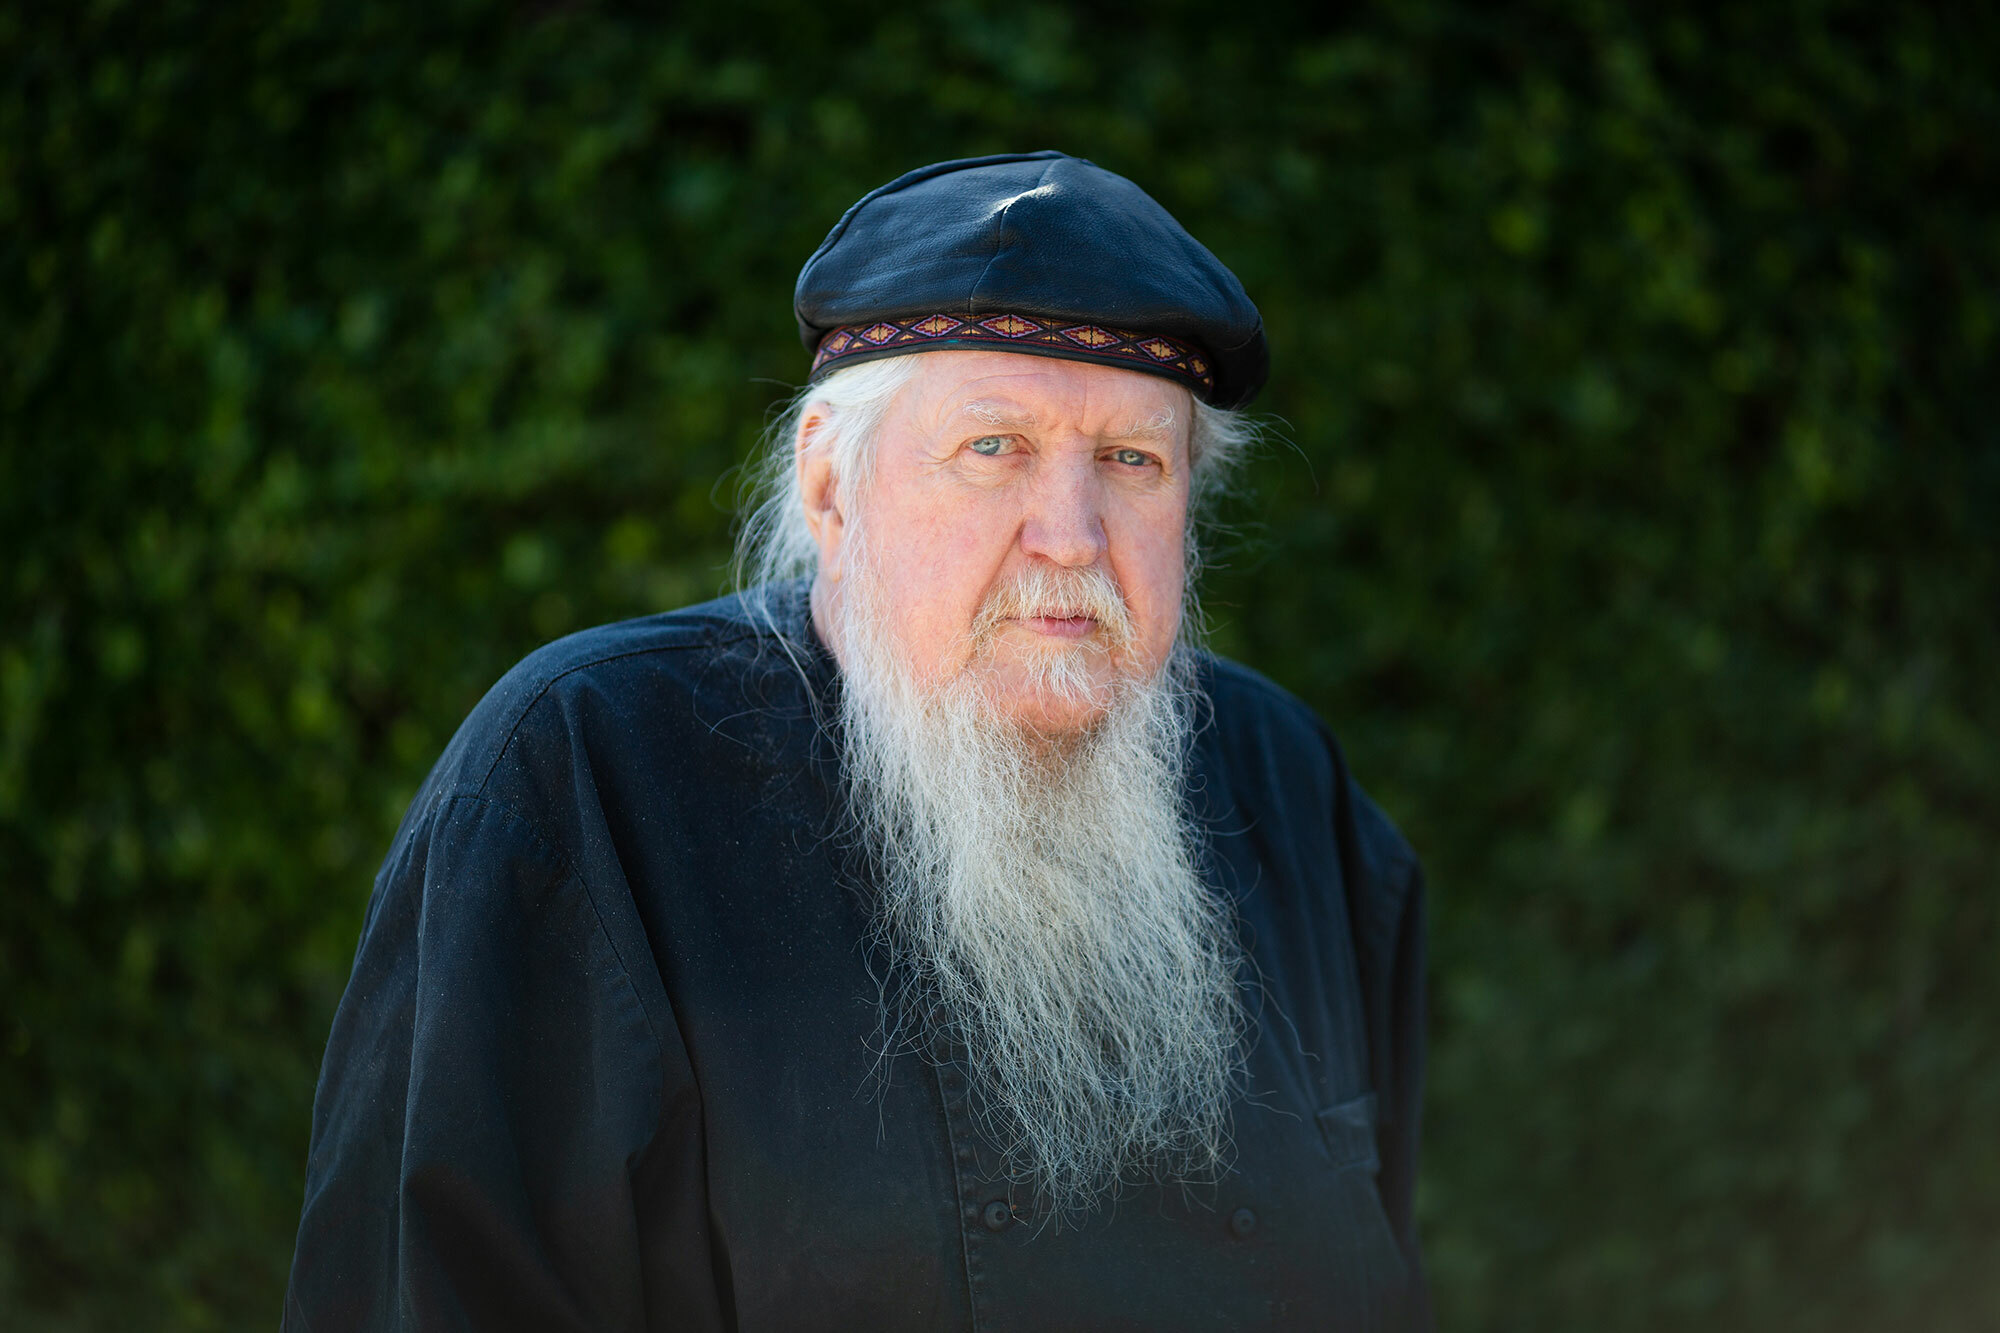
column 1003, row 330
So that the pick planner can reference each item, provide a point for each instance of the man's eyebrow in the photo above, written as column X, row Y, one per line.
column 1160, row 426
column 997, row 413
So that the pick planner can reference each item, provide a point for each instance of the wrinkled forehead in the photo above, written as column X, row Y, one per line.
column 1040, row 396
column 1164, row 425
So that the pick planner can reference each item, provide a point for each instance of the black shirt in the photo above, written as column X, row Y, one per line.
column 608, row 1058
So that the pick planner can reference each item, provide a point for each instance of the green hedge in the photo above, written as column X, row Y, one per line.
column 1634, row 525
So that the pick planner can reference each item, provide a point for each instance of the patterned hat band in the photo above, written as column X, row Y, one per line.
column 1005, row 332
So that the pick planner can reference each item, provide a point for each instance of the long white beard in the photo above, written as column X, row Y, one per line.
column 1043, row 897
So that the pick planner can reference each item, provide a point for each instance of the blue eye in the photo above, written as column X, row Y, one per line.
column 988, row 445
column 1131, row 458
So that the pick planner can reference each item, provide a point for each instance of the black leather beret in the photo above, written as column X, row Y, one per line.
column 1040, row 253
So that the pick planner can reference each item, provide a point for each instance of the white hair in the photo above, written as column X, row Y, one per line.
column 1040, row 902
column 775, row 543
column 1044, row 910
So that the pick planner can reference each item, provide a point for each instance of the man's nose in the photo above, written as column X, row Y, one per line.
column 1065, row 522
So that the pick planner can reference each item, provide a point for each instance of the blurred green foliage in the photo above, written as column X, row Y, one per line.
column 1637, row 536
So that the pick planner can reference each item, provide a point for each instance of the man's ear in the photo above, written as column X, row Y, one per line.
column 819, row 490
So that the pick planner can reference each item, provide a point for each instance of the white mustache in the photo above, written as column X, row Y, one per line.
column 1059, row 593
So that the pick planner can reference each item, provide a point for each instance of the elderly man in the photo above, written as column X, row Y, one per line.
column 930, row 936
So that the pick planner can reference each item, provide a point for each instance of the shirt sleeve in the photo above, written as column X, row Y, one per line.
column 1387, row 910
column 507, row 1133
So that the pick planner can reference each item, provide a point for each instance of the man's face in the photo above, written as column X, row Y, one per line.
column 991, row 467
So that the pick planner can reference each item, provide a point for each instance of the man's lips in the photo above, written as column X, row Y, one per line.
column 1061, row 627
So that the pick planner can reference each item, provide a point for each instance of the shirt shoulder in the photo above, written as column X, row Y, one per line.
column 1280, row 754
column 646, row 671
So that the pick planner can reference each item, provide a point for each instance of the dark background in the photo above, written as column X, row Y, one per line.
column 1632, row 521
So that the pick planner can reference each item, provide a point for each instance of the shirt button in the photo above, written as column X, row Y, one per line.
column 998, row 1215
column 1242, row 1223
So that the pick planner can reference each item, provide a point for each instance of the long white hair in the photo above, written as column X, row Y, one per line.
column 1041, row 904
column 1043, row 912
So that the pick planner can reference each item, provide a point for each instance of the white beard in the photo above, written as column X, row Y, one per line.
column 1040, row 900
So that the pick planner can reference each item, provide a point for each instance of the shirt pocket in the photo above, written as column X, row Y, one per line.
column 1349, row 1130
